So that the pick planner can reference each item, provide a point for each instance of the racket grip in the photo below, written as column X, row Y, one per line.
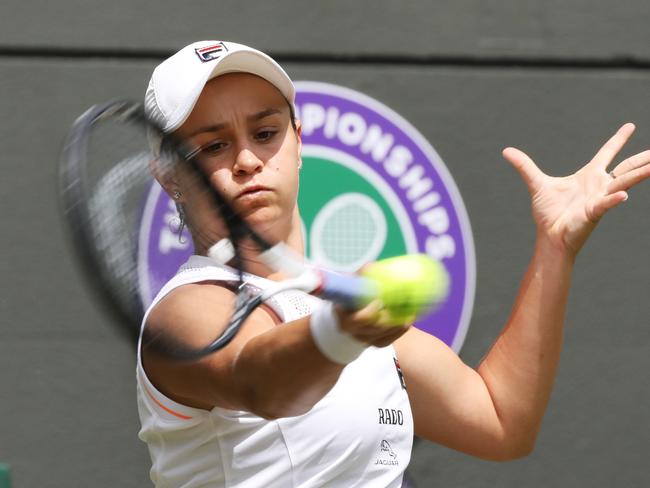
column 350, row 291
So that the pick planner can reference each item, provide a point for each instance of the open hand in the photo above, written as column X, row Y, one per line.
column 566, row 209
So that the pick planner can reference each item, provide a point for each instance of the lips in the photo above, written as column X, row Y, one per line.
column 252, row 191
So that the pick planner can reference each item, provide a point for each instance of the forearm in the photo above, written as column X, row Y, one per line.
column 282, row 373
column 520, row 369
column 269, row 368
column 306, row 357
column 495, row 411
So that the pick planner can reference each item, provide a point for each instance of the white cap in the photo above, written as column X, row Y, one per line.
column 178, row 81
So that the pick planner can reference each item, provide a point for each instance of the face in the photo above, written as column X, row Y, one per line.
column 250, row 152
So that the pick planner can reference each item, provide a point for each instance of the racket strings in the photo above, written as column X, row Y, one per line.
column 117, row 179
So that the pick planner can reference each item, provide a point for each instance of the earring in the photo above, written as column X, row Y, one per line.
column 177, row 194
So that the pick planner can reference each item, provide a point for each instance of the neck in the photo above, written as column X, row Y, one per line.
column 290, row 234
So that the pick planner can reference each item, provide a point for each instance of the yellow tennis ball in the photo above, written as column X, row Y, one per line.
column 407, row 286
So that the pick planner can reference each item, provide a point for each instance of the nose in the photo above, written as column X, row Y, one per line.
column 246, row 162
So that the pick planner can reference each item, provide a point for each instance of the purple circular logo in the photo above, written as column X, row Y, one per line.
column 371, row 187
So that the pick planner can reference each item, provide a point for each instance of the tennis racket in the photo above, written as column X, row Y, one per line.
column 105, row 171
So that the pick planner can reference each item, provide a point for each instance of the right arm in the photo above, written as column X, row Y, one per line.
column 268, row 369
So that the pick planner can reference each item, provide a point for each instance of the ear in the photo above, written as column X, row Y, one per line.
column 299, row 131
column 167, row 181
column 299, row 140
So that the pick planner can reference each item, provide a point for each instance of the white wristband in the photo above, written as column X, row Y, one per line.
column 336, row 345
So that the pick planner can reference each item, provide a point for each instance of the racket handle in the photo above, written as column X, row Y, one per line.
column 406, row 286
column 350, row 291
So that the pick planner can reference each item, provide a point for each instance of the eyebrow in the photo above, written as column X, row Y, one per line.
column 251, row 118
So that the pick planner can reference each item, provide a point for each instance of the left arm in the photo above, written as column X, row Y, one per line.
column 495, row 411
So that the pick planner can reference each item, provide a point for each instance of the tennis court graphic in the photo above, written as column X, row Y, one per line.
column 349, row 231
column 371, row 187
column 347, row 219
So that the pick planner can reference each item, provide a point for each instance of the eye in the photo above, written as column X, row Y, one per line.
column 265, row 135
column 212, row 147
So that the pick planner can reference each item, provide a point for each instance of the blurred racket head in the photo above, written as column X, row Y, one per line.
column 105, row 172
column 103, row 178
column 106, row 168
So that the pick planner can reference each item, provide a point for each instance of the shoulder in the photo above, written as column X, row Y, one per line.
column 190, row 305
column 201, row 289
column 192, row 316
column 198, row 312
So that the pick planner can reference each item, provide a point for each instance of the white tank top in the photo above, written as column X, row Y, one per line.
column 359, row 435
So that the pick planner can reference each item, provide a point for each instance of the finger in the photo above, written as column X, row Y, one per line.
column 606, row 203
column 354, row 319
column 612, row 147
column 525, row 166
column 629, row 179
column 396, row 334
column 373, row 334
column 631, row 163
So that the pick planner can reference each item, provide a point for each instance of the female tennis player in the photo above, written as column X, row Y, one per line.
column 308, row 394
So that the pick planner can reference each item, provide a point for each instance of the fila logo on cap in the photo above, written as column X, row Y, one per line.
column 210, row 53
